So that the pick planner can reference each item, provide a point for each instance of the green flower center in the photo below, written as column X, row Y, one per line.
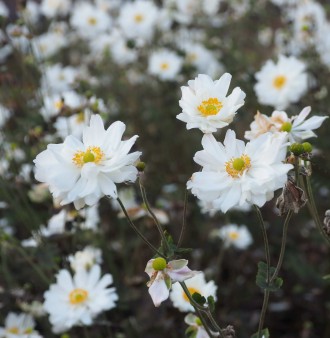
column 159, row 264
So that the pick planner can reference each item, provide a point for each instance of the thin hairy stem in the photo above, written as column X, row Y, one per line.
column 184, row 219
column 313, row 210
column 159, row 227
column 263, row 312
column 265, row 238
column 266, row 292
column 137, row 231
column 201, row 309
column 284, row 237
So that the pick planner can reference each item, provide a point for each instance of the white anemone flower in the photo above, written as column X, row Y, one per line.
column 165, row 64
column 85, row 259
column 205, row 105
column 84, row 171
column 19, row 326
column 196, row 326
column 296, row 127
column 163, row 274
column 79, row 299
column 234, row 235
column 197, row 284
column 280, row 84
column 234, row 173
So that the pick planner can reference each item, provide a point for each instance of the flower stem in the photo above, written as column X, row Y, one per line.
column 137, row 231
column 312, row 208
column 266, row 292
column 183, row 228
column 159, row 227
column 201, row 309
column 284, row 237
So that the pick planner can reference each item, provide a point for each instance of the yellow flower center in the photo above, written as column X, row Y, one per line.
column 236, row 166
column 279, row 81
column 28, row 330
column 78, row 296
column 80, row 117
column 191, row 291
column 92, row 154
column 233, row 235
column 212, row 106
column 138, row 18
column 59, row 104
column 92, row 21
column 164, row 66
column 14, row 330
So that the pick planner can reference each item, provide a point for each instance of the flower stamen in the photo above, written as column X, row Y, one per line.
column 212, row 106
column 78, row 296
column 92, row 154
column 279, row 81
column 237, row 166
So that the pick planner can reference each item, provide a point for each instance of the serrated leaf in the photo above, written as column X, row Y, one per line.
column 264, row 334
column 261, row 278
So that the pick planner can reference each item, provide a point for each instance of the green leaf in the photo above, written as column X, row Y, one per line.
column 191, row 332
column 261, row 278
column 198, row 298
column 210, row 303
column 264, row 333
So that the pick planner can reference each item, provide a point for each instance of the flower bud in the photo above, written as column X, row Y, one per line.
column 307, row 147
column 297, row 149
column 159, row 264
column 140, row 166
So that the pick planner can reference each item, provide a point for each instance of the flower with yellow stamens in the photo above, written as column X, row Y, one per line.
column 205, row 104
column 234, row 174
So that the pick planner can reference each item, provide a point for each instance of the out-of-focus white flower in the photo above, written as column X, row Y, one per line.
column 73, row 125
column 54, row 103
column 205, row 105
column 48, row 44
column 234, row 173
column 196, row 284
column 85, row 259
column 19, row 326
column 137, row 19
column 58, row 79
column 35, row 308
column 52, row 8
column 79, row 299
column 163, row 274
column 31, row 12
column 4, row 115
column 296, row 127
column 234, row 235
column 322, row 44
column 196, row 327
column 89, row 20
column 39, row 192
column 4, row 12
column 83, row 172
column 134, row 209
column 165, row 64
column 280, row 84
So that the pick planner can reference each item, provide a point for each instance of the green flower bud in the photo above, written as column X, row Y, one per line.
column 140, row 166
column 159, row 264
column 307, row 147
column 198, row 321
column 297, row 149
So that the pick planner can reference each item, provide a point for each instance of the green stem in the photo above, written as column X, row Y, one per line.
column 137, row 231
column 263, row 312
column 159, row 227
column 201, row 309
column 313, row 209
column 284, row 237
column 264, row 234
column 183, row 228
column 266, row 292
